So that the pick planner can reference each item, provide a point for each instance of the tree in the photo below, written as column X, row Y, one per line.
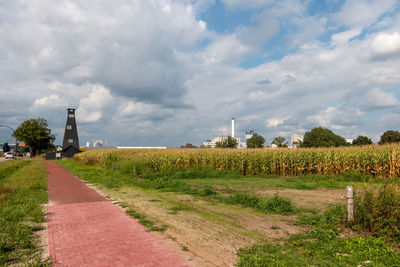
column 390, row 137
column 219, row 144
column 228, row 142
column 231, row 142
column 362, row 141
column 255, row 142
column 36, row 135
column 279, row 141
column 322, row 137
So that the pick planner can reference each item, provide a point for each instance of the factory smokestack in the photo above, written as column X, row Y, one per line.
column 233, row 127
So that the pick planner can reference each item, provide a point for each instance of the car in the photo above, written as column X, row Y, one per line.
column 9, row 155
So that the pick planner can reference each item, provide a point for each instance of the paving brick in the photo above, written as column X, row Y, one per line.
column 84, row 229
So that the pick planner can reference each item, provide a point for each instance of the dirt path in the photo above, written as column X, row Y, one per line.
column 84, row 229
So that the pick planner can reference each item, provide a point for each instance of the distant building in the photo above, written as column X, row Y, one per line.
column 295, row 140
column 189, row 146
column 6, row 147
column 95, row 143
column 212, row 143
column 250, row 134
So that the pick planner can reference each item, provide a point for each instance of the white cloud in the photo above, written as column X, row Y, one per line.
column 50, row 102
column 246, row 4
column 378, row 99
column 275, row 122
column 91, row 107
column 363, row 13
column 385, row 46
column 136, row 71
column 342, row 38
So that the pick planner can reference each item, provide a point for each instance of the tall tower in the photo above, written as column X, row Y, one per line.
column 71, row 141
column 233, row 127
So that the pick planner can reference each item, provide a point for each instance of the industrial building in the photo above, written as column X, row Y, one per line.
column 295, row 140
column 94, row 143
column 212, row 142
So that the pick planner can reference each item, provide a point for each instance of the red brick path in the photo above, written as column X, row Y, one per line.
column 85, row 229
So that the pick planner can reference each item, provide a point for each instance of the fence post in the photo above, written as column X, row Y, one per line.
column 134, row 170
column 350, row 203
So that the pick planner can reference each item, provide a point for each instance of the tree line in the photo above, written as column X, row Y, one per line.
column 322, row 137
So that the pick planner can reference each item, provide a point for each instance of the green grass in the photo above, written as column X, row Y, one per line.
column 23, row 191
column 378, row 211
column 303, row 182
column 149, row 224
column 274, row 205
column 321, row 246
column 177, row 181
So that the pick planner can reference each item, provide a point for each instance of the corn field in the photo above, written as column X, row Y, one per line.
column 379, row 161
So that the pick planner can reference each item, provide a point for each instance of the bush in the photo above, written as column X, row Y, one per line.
column 378, row 211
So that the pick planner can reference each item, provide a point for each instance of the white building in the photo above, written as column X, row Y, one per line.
column 95, row 143
column 212, row 143
column 295, row 140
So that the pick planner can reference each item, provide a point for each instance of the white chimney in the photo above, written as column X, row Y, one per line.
column 233, row 127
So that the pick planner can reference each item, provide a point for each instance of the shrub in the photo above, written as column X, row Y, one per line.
column 378, row 211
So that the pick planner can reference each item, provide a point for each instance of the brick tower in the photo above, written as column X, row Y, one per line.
column 71, row 141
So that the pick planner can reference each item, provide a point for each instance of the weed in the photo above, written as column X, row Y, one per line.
column 275, row 227
column 149, row 224
column 175, row 210
column 378, row 211
column 185, row 248
column 321, row 247
column 155, row 200
column 275, row 204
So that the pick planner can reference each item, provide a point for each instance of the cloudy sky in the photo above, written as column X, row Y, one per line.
column 169, row 72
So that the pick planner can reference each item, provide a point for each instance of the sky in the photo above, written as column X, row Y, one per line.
column 170, row 72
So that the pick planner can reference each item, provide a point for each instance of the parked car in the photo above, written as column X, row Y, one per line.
column 10, row 155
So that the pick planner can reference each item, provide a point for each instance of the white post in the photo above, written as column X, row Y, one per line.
column 233, row 127
column 350, row 203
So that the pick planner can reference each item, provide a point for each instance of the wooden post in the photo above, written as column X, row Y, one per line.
column 134, row 170
column 350, row 203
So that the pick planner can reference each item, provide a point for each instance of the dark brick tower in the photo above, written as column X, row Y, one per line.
column 71, row 141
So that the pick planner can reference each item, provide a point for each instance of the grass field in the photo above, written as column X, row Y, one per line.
column 221, row 217
column 23, row 191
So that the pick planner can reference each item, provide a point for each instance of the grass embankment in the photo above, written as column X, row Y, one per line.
column 320, row 245
column 23, row 191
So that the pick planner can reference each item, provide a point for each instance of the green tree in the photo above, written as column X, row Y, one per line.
column 322, row 137
column 390, row 137
column 228, row 142
column 255, row 142
column 36, row 135
column 362, row 141
column 279, row 141
column 219, row 144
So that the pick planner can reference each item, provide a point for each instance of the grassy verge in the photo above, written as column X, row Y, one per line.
column 23, row 190
column 321, row 246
